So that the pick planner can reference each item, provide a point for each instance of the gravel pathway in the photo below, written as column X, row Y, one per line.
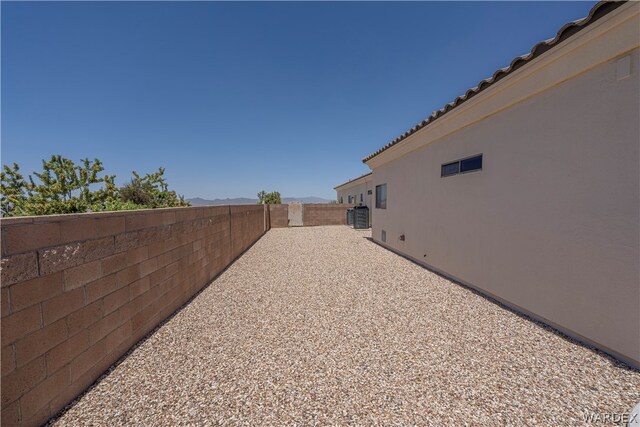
column 321, row 326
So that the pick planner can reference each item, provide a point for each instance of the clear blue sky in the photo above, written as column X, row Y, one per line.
column 233, row 98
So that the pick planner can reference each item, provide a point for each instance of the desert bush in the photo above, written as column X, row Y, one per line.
column 272, row 198
column 65, row 187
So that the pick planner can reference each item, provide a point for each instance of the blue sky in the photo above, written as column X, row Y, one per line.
column 232, row 98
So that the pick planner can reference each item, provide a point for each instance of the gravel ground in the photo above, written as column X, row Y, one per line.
column 321, row 326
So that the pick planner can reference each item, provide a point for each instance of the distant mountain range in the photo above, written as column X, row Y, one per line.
column 197, row 201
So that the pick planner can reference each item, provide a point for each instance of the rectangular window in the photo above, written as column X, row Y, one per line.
column 361, row 197
column 381, row 196
column 450, row 169
column 469, row 164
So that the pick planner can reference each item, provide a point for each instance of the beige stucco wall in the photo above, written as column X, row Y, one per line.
column 551, row 223
column 359, row 190
column 355, row 191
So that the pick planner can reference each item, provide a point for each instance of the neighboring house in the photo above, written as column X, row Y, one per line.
column 358, row 191
column 527, row 188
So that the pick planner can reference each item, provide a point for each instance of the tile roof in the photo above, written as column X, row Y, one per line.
column 598, row 11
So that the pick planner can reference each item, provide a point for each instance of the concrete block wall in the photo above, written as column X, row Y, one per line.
column 78, row 291
column 267, row 218
column 247, row 222
column 279, row 215
column 313, row 214
column 325, row 214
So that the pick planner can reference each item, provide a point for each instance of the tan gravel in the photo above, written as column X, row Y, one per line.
column 321, row 326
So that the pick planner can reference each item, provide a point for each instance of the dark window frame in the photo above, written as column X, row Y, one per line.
column 443, row 168
column 458, row 162
column 477, row 157
column 380, row 202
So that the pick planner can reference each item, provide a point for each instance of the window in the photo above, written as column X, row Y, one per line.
column 349, row 199
column 384, row 236
column 369, row 192
column 361, row 197
column 469, row 164
column 381, row 196
column 341, row 200
column 450, row 169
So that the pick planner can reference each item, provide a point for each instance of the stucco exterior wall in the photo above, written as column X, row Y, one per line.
column 551, row 223
column 356, row 191
column 359, row 191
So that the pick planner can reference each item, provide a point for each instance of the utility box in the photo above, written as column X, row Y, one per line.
column 361, row 217
column 350, row 216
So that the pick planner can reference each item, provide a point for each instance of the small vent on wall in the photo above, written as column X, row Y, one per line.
column 383, row 237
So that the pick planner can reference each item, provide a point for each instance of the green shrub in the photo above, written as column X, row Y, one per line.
column 64, row 187
column 272, row 198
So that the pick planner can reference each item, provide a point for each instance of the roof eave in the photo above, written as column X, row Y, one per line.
column 599, row 10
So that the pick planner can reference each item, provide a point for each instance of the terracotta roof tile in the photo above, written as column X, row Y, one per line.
column 598, row 11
